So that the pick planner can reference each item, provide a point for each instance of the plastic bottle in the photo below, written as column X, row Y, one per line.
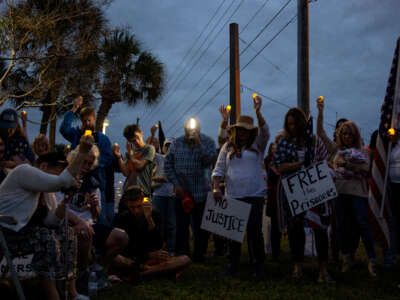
column 92, row 285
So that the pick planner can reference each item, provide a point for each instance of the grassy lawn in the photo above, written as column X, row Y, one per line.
column 205, row 282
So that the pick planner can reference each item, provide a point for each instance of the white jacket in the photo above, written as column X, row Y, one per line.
column 20, row 191
column 244, row 177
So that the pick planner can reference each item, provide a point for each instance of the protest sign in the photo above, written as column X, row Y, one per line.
column 309, row 187
column 227, row 218
column 22, row 266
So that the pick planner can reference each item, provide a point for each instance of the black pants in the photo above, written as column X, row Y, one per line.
column 297, row 240
column 255, row 238
column 276, row 236
column 182, row 231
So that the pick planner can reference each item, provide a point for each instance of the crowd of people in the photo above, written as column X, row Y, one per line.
column 64, row 202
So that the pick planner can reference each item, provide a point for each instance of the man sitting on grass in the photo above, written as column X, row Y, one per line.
column 142, row 224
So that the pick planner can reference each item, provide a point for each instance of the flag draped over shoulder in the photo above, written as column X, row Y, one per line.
column 389, row 117
column 309, row 142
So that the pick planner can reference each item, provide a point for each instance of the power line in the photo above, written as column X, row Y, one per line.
column 266, row 26
column 195, row 42
column 202, row 44
column 187, row 110
column 242, row 69
column 266, row 97
column 223, row 52
column 209, row 45
column 241, row 53
column 269, row 42
column 276, row 101
column 198, row 37
column 216, row 95
column 276, row 67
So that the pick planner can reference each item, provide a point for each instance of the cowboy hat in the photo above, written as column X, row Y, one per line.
column 245, row 121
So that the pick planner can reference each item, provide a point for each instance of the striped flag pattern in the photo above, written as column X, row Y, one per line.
column 380, row 158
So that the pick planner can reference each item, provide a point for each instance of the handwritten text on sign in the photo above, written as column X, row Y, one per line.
column 227, row 217
column 309, row 187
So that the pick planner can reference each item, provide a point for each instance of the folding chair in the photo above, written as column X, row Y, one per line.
column 4, row 251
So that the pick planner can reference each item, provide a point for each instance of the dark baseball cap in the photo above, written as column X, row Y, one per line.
column 8, row 118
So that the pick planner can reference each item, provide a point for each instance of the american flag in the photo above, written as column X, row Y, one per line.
column 380, row 158
column 309, row 142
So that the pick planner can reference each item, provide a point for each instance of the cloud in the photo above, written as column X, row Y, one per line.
column 351, row 50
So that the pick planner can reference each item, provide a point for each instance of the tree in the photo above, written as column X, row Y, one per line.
column 55, row 43
column 129, row 73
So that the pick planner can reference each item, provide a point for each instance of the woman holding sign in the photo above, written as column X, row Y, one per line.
column 351, row 165
column 290, row 156
column 239, row 165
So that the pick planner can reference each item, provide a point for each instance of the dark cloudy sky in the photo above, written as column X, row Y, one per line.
column 351, row 50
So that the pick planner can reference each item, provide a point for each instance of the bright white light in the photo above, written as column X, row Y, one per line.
column 192, row 123
column 106, row 123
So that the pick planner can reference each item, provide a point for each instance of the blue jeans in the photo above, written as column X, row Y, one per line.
column 167, row 207
column 350, row 209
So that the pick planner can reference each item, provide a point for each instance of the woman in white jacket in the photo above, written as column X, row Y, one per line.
column 239, row 165
column 24, row 195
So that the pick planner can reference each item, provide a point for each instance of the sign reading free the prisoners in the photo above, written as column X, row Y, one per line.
column 309, row 187
column 227, row 218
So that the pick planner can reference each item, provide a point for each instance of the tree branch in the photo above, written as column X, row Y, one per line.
column 11, row 65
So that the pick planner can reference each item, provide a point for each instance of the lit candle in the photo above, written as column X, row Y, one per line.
column 321, row 99
column 391, row 131
column 146, row 199
column 255, row 95
column 192, row 124
column 116, row 144
column 24, row 112
column 228, row 108
column 68, row 147
column 88, row 132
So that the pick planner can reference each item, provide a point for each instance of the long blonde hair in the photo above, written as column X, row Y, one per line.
column 357, row 142
column 95, row 151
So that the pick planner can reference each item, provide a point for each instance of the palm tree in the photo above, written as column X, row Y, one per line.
column 129, row 74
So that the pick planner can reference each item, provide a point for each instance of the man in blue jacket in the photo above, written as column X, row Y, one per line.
column 73, row 135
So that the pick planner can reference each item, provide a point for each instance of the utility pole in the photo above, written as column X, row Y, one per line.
column 303, row 73
column 234, row 72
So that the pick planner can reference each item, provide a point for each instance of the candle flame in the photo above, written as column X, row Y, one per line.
column 391, row 131
column 255, row 95
column 228, row 108
column 192, row 123
column 88, row 132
